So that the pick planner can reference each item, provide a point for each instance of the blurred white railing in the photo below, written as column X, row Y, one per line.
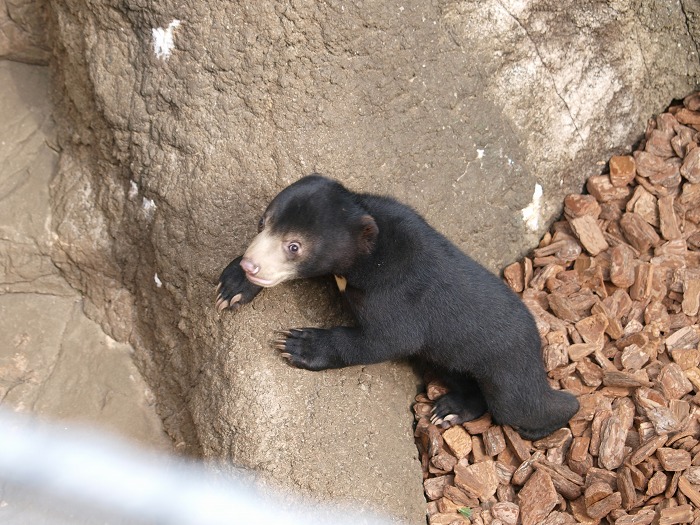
column 52, row 476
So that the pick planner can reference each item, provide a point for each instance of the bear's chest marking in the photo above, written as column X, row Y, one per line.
column 342, row 282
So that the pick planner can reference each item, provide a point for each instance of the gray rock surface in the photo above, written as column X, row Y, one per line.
column 179, row 121
column 54, row 361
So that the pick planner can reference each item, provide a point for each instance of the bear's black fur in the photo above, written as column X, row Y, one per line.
column 414, row 295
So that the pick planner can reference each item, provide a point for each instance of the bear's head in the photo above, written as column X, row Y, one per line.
column 313, row 227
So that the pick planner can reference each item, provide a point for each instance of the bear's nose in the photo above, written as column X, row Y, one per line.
column 249, row 266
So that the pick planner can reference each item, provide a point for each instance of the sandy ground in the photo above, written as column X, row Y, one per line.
column 54, row 361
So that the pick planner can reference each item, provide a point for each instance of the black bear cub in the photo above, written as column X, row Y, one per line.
column 413, row 294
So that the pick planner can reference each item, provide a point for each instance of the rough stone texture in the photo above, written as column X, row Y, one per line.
column 458, row 108
column 23, row 31
column 54, row 361
column 64, row 367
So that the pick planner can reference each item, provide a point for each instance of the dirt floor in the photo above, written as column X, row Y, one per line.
column 54, row 361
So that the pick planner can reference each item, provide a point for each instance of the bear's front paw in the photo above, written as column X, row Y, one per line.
column 234, row 289
column 302, row 348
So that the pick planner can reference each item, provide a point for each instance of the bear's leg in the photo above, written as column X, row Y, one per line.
column 522, row 398
column 537, row 415
column 320, row 349
column 463, row 401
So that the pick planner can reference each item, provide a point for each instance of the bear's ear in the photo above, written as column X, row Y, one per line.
column 368, row 234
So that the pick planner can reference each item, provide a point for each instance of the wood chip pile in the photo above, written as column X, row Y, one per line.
column 615, row 291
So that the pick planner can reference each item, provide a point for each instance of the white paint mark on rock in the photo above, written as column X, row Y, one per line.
column 163, row 42
column 158, row 282
column 149, row 204
column 515, row 7
column 133, row 190
column 149, row 207
column 531, row 214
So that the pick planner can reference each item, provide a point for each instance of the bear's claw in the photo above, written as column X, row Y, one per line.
column 454, row 409
column 444, row 422
column 234, row 289
column 222, row 304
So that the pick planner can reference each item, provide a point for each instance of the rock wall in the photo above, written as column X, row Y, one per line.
column 23, row 31
column 55, row 363
column 180, row 120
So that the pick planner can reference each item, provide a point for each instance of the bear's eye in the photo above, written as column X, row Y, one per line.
column 293, row 247
column 261, row 224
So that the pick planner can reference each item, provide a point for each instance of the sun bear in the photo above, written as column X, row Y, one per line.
column 414, row 295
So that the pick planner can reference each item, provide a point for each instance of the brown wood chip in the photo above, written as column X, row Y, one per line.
column 647, row 449
column 561, row 477
column 478, row 480
column 691, row 166
column 520, row 447
column 689, row 490
column 580, row 205
column 494, row 441
column 537, row 498
column 626, row 487
column 638, row 232
column 673, row 459
column 458, row 441
column 478, row 426
column 603, row 507
column 612, row 443
column 614, row 287
column 588, row 231
column 506, row 511
column 622, row 170
column 673, row 515
column 668, row 219
column 515, row 277
column 691, row 296
column 602, row 189
column 643, row 517
column 434, row 487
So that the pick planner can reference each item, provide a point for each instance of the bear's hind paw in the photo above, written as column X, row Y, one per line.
column 454, row 409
